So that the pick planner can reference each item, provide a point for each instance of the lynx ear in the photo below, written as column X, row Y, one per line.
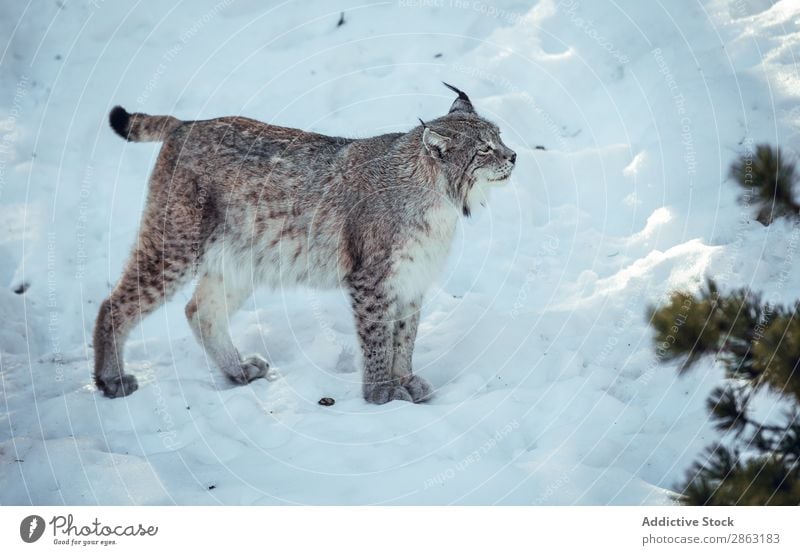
column 462, row 103
column 434, row 143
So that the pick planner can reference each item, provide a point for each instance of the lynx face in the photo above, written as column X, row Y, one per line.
column 487, row 158
column 471, row 152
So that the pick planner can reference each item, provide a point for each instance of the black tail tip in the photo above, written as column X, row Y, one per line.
column 119, row 119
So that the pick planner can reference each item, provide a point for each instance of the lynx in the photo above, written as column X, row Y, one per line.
column 236, row 203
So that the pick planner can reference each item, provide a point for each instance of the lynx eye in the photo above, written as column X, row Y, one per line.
column 485, row 150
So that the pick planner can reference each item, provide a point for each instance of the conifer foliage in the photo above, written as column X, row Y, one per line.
column 758, row 460
column 768, row 181
column 757, row 463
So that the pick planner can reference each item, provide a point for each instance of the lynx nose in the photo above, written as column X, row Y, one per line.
column 513, row 157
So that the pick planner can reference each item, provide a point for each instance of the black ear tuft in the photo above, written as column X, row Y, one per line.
column 119, row 119
column 462, row 103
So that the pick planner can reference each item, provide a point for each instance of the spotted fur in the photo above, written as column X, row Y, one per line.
column 238, row 203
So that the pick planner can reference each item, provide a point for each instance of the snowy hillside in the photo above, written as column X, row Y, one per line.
column 548, row 390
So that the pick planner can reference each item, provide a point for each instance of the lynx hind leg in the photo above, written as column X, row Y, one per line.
column 164, row 258
column 209, row 314
column 152, row 275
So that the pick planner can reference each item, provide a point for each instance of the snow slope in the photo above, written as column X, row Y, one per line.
column 536, row 339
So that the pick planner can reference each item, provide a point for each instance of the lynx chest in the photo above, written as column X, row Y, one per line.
column 422, row 253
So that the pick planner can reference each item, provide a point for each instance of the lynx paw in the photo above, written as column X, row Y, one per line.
column 118, row 386
column 410, row 388
column 419, row 388
column 252, row 368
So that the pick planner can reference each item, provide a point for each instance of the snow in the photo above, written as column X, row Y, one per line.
column 548, row 388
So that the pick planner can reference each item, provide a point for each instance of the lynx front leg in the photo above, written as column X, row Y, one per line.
column 405, row 334
column 209, row 313
column 376, row 325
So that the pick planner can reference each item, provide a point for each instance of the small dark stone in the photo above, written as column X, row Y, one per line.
column 326, row 401
column 540, row 147
column 438, row 55
column 22, row 287
column 341, row 20
column 212, row 486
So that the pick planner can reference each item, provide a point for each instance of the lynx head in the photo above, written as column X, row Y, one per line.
column 469, row 152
